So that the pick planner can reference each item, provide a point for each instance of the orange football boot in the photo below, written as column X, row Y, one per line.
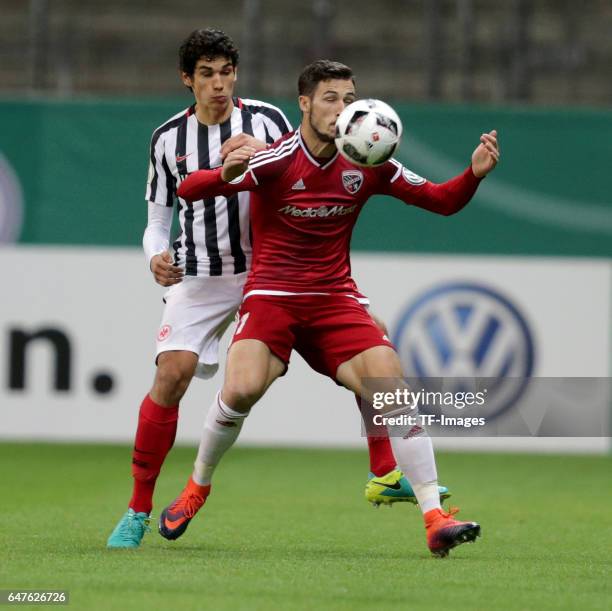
column 444, row 532
column 175, row 518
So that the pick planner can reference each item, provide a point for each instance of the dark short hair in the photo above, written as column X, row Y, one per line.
column 322, row 70
column 208, row 44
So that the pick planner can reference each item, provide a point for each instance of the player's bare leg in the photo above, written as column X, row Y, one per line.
column 250, row 369
column 157, row 423
column 175, row 370
column 155, row 433
column 412, row 448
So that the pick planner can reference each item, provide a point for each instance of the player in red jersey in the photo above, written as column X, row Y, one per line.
column 299, row 293
column 207, row 274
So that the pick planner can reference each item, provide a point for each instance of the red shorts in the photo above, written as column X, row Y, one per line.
column 326, row 330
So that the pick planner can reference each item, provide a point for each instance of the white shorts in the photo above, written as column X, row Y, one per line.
column 198, row 311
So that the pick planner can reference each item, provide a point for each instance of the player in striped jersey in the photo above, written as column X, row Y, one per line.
column 207, row 270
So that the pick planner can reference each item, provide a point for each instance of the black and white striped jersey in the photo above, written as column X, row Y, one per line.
column 214, row 238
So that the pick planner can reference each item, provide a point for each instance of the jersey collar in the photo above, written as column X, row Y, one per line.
column 310, row 157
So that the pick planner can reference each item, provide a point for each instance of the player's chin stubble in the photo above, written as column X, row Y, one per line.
column 320, row 135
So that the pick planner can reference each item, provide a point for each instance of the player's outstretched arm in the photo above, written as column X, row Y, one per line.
column 209, row 183
column 448, row 197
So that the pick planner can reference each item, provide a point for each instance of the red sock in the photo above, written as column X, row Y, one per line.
column 381, row 455
column 154, row 438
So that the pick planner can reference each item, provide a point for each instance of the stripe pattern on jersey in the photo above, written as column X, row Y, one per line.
column 155, row 192
column 215, row 232
column 280, row 125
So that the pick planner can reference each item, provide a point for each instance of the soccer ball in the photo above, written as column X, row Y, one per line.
column 368, row 132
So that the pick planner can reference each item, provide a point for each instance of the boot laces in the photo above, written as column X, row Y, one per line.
column 135, row 526
column 448, row 515
column 189, row 504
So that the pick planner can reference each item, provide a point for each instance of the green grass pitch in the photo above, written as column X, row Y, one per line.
column 289, row 529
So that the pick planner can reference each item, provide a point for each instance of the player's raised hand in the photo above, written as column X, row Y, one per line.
column 486, row 155
column 235, row 142
column 236, row 162
column 164, row 271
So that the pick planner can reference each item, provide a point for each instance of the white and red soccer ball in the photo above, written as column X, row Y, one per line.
column 368, row 132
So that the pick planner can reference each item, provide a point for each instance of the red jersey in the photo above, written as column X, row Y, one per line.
column 303, row 211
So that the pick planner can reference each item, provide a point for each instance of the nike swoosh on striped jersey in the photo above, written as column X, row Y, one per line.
column 180, row 158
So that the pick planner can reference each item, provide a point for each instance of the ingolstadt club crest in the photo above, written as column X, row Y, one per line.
column 352, row 180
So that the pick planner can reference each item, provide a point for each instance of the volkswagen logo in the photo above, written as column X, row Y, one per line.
column 457, row 333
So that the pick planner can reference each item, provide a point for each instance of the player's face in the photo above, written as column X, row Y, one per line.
column 212, row 82
column 328, row 100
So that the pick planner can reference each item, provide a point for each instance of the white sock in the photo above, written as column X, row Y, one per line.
column 221, row 430
column 428, row 495
column 413, row 452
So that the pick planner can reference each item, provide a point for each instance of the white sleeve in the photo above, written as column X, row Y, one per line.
column 161, row 184
column 156, row 237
